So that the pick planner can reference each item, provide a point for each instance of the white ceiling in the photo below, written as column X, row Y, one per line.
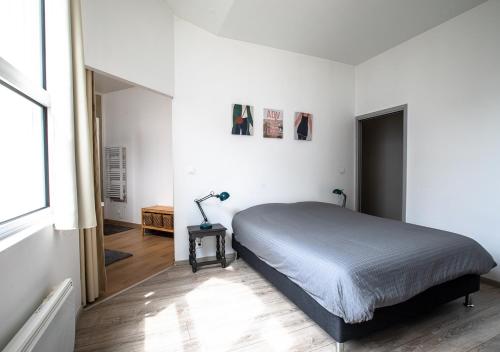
column 349, row 31
column 107, row 84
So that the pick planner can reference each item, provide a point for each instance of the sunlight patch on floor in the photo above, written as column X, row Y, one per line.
column 163, row 330
column 217, row 315
column 216, row 302
column 276, row 336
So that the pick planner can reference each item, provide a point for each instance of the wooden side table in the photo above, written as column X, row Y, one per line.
column 219, row 232
column 158, row 217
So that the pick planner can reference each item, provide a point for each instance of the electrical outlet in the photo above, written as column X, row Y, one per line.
column 199, row 245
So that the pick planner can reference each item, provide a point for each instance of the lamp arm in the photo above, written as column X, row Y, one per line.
column 206, row 197
column 198, row 201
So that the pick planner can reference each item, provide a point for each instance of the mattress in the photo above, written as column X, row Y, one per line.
column 353, row 263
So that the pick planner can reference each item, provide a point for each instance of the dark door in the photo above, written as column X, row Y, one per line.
column 381, row 165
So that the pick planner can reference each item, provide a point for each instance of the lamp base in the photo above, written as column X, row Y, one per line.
column 205, row 226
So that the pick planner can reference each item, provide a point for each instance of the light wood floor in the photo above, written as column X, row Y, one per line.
column 235, row 309
column 151, row 254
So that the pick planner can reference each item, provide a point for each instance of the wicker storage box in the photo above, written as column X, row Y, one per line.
column 157, row 220
column 168, row 221
column 147, row 219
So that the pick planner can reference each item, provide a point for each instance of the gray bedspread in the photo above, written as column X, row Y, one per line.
column 352, row 263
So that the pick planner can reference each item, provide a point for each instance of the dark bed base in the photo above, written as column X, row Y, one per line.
column 383, row 317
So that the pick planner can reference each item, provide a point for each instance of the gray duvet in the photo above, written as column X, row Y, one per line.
column 352, row 263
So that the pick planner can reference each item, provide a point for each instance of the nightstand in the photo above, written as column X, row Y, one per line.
column 219, row 232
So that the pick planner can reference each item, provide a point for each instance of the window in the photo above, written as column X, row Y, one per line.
column 23, row 109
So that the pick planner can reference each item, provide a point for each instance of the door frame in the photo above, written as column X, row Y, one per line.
column 374, row 115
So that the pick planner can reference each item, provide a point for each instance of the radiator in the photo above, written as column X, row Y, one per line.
column 115, row 179
column 51, row 328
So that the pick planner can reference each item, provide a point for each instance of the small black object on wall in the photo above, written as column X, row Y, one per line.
column 340, row 192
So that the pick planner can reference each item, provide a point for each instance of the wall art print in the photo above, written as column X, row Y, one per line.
column 273, row 123
column 303, row 124
column 242, row 120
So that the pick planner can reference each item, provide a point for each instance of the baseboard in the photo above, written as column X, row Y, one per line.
column 229, row 256
column 122, row 223
column 490, row 282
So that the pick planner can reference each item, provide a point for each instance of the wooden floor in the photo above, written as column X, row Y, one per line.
column 234, row 309
column 151, row 254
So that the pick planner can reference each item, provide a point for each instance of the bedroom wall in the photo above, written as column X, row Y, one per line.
column 33, row 261
column 31, row 264
column 140, row 120
column 120, row 37
column 449, row 77
column 211, row 74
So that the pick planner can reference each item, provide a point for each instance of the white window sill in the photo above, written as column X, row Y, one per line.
column 17, row 230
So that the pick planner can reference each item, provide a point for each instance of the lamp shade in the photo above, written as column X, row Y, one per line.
column 223, row 196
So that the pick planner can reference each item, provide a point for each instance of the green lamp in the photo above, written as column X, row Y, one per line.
column 340, row 192
column 205, row 225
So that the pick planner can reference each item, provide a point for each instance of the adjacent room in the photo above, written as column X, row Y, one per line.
column 250, row 175
column 135, row 139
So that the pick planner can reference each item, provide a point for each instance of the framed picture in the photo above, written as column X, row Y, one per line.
column 303, row 124
column 273, row 123
column 242, row 120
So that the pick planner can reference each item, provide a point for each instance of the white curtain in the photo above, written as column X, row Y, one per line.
column 92, row 270
column 83, row 126
column 63, row 193
column 71, row 164
column 74, row 198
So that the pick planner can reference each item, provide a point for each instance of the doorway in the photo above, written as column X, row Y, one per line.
column 135, row 145
column 381, row 163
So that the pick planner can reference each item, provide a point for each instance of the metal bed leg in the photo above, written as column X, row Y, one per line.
column 468, row 301
column 340, row 347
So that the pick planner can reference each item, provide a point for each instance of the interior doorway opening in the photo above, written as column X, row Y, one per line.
column 381, row 163
column 135, row 143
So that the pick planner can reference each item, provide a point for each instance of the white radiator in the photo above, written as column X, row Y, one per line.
column 115, row 186
column 51, row 328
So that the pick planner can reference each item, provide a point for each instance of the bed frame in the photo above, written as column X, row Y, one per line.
column 335, row 326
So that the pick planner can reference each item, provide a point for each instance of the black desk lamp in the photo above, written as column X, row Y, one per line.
column 340, row 192
column 205, row 225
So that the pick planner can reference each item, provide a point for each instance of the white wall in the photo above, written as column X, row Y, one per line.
column 35, row 260
column 140, row 120
column 29, row 269
column 132, row 40
column 450, row 79
column 212, row 73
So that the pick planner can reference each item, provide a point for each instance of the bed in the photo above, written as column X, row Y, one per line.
column 354, row 273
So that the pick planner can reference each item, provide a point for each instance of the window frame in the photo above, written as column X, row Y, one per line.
column 14, row 80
